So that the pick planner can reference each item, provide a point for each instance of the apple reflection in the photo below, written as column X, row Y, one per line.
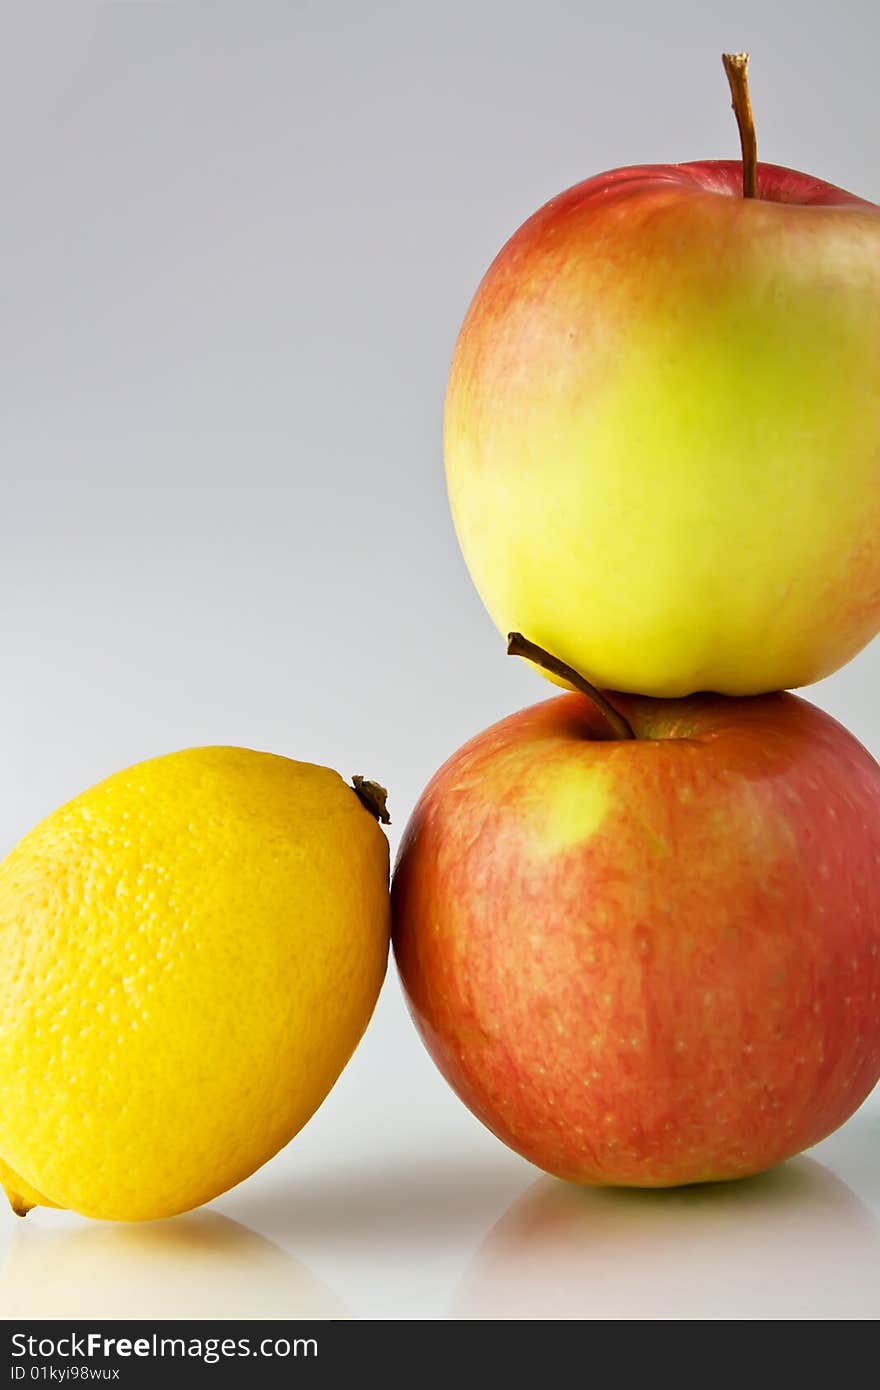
column 201, row 1265
column 795, row 1243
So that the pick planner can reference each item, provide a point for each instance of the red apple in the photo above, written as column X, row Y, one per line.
column 649, row 960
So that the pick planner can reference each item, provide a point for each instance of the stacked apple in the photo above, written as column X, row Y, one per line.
column 640, row 930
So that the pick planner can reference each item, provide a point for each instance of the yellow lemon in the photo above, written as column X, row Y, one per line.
column 191, row 952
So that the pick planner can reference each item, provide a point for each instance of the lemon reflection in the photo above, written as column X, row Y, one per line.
column 794, row 1243
column 201, row 1265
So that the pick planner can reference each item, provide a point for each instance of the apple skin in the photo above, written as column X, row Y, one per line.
column 654, row 961
column 662, row 430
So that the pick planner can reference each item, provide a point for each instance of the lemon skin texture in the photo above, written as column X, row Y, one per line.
column 662, row 430
column 192, row 951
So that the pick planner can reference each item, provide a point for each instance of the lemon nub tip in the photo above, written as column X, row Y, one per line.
column 18, row 1204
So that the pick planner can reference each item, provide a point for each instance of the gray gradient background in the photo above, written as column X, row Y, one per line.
column 236, row 245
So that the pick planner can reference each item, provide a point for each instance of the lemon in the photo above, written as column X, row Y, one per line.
column 191, row 952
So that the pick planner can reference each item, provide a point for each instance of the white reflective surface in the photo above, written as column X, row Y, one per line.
column 796, row 1243
column 198, row 1265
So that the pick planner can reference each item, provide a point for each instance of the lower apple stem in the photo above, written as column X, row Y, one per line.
column 617, row 726
column 373, row 797
column 736, row 65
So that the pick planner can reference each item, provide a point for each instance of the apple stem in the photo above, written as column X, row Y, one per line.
column 618, row 727
column 373, row 797
column 736, row 65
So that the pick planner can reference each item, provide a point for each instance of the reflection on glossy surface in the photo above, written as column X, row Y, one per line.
column 197, row 1266
column 794, row 1243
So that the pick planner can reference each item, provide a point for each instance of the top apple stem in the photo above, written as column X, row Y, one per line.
column 617, row 726
column 736, row 65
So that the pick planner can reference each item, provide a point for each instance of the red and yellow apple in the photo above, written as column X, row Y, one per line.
column 662, row 429
column 649, row 960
